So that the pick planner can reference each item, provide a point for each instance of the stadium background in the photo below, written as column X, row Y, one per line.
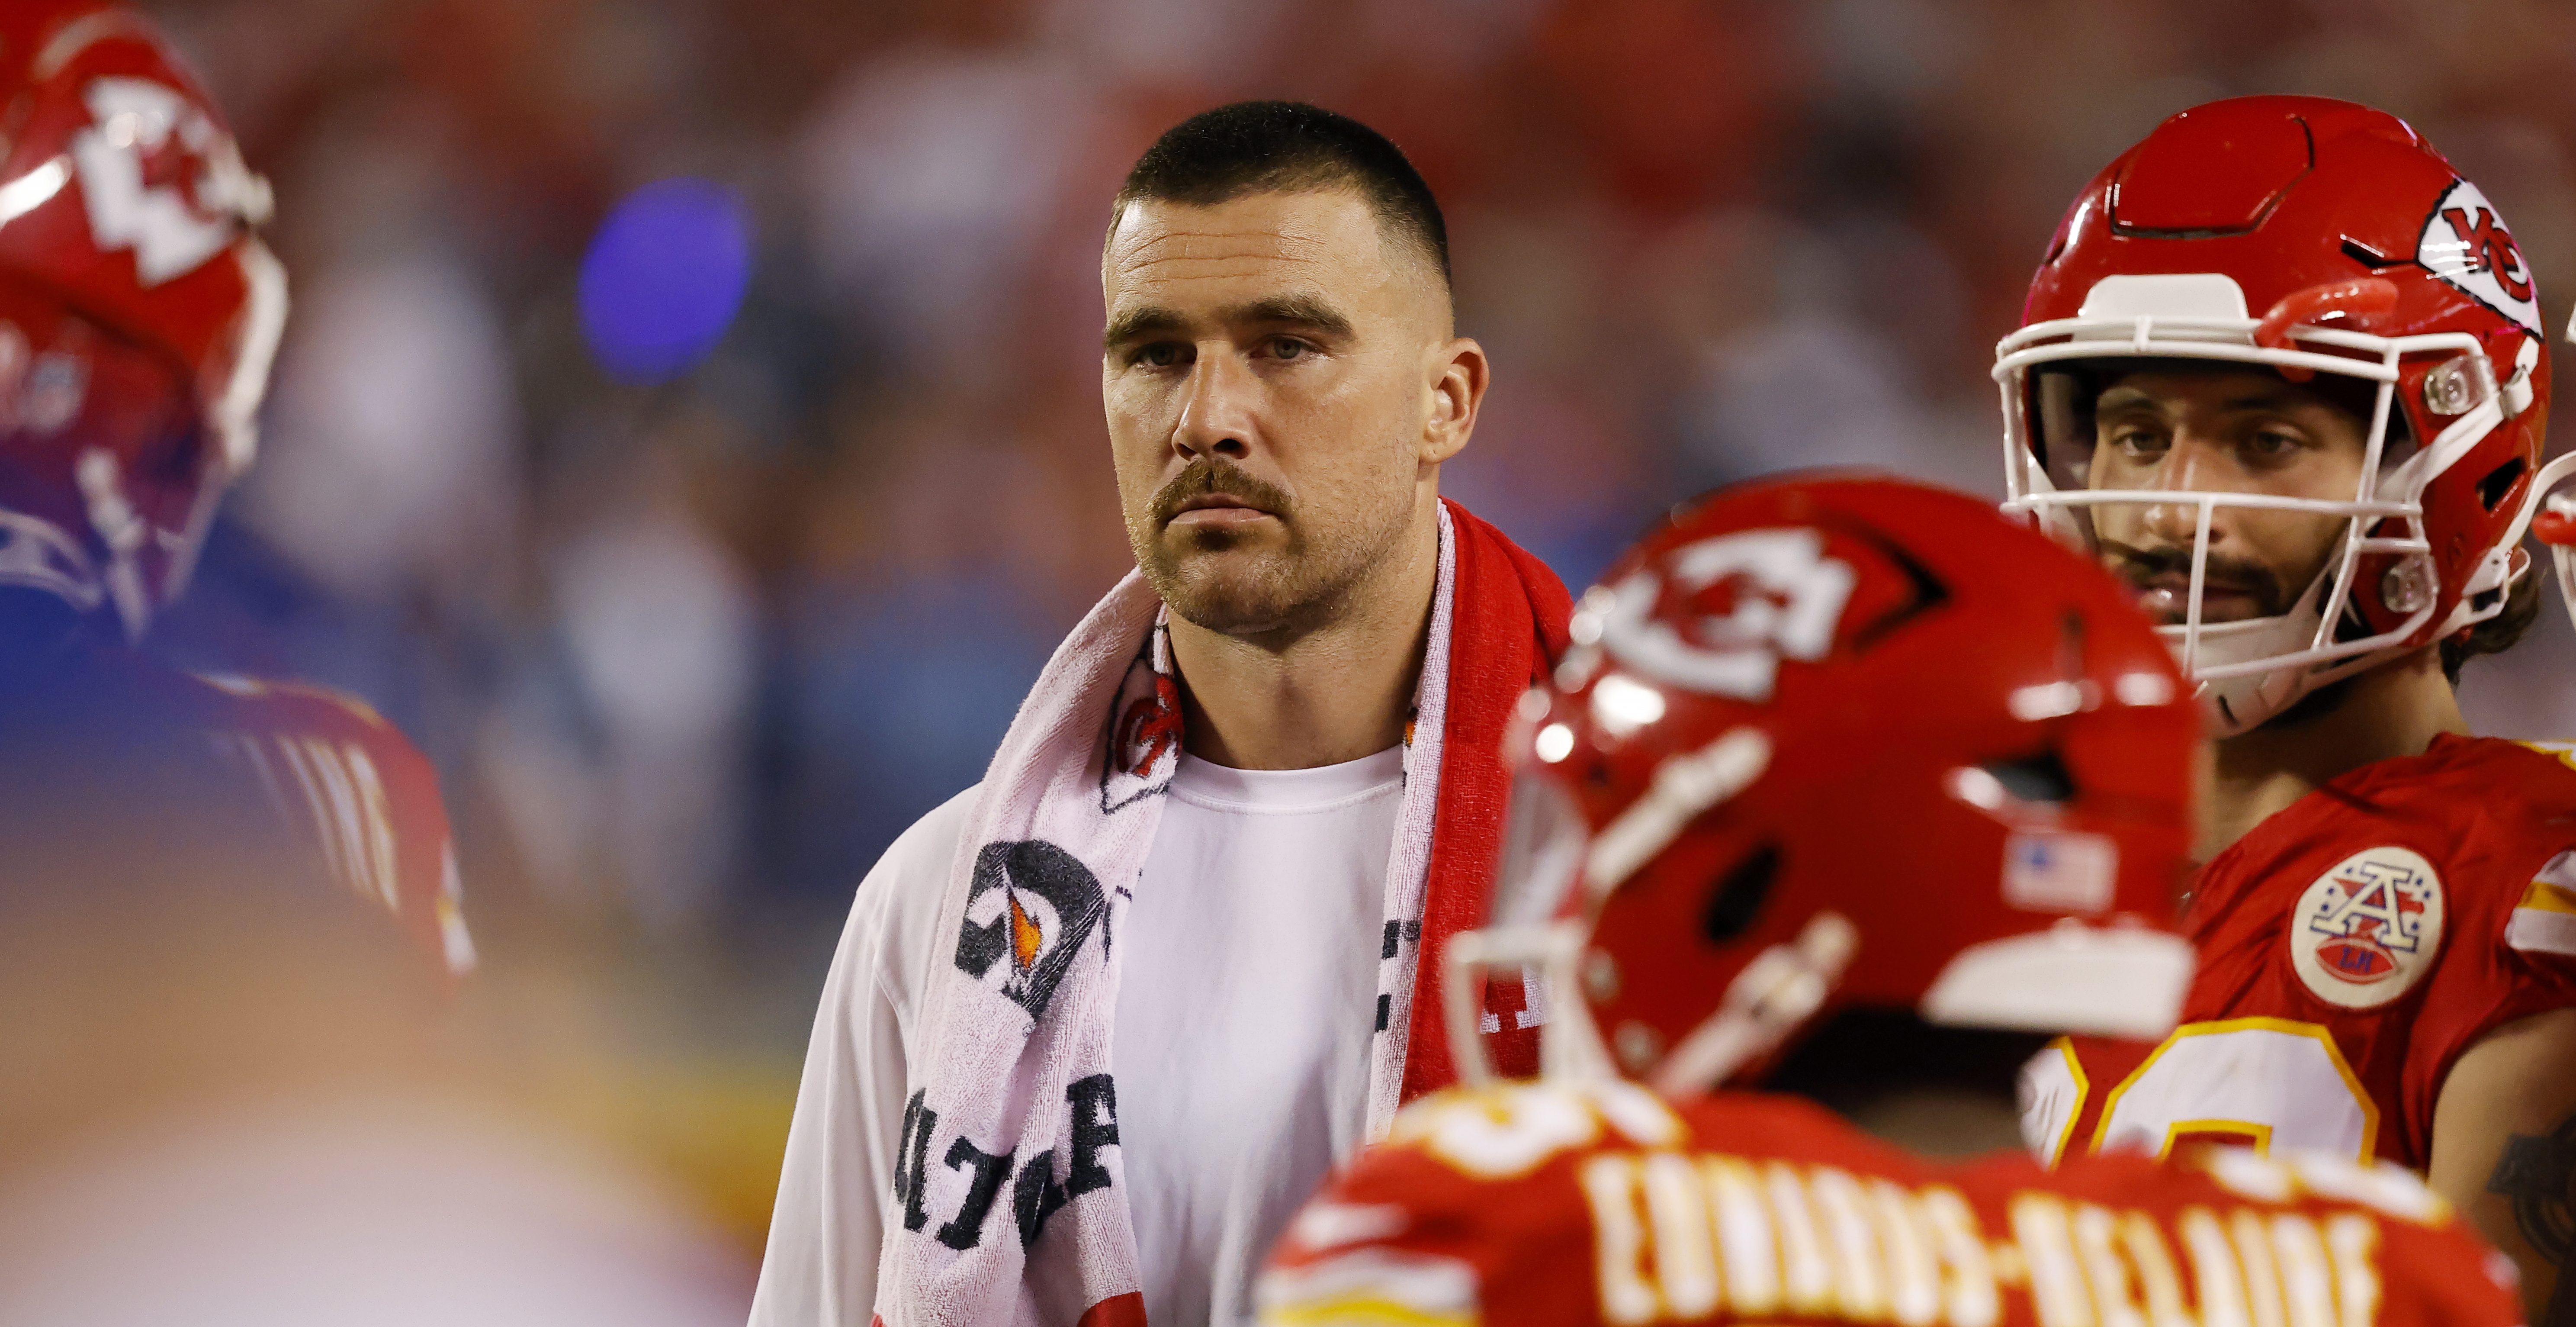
column 695, row 617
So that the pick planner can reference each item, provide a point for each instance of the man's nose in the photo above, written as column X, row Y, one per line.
column 1219, row 408
column 2191, row 464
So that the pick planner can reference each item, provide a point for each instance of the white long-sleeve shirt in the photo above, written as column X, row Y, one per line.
column 1240, row 1043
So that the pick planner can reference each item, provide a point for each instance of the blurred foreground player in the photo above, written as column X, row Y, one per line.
column 226, row 1105
column 2283, row 372
column 1761, row 815
column 139, row 314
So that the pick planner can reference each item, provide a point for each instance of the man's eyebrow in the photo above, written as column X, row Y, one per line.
column 1305, row 311
column 1297, row 310
column 1138, row 323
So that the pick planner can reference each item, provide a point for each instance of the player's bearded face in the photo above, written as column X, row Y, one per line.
column 2223, row 431
column 1262, row 382
column 1252, row 573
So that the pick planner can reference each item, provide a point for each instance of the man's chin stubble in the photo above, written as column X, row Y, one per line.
column 1233, row 585
column 1230, row 591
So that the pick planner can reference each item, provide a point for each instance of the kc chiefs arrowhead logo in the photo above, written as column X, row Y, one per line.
column 1719, row 615
column 2466, row 243
column 2368, row 929
column 1144, row 737
column 158, row 176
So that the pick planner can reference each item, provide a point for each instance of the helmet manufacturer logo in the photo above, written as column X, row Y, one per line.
column 2466, row 244
column 2368, row 929
column 159, row 177
column 1745, row 601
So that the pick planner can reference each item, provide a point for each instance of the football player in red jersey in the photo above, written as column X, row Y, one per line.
column 1741, row 814
column 139, row 313
column 2282, row 371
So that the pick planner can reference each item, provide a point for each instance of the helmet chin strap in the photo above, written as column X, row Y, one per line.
column 1774, row 996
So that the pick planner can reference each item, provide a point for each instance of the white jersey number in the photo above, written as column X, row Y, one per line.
column 2268, row 1083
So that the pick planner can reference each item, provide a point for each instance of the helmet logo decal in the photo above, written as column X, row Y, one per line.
column 2368, row 929
column 2466, row 244
column 159, row 177
column 1745, row 601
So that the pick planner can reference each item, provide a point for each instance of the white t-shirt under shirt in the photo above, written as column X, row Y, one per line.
column 1247, row 998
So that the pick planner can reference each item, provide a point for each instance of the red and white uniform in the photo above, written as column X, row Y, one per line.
column 2351, row 947
column 354, row 789
column 1600, row 1203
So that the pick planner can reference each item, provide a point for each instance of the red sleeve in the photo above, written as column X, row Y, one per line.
column 2513, row 947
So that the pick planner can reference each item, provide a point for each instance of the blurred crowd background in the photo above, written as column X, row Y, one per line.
column 695, row 618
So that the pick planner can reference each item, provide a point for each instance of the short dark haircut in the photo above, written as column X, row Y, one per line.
column 1287, row 147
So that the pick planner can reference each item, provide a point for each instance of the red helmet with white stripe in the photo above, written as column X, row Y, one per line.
column 139, row 313
column 2298, row 237
column 1832, row 740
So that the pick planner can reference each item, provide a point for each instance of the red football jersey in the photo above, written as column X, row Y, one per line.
column 2351, row 947
column 1547, row 1203
column 351, row 786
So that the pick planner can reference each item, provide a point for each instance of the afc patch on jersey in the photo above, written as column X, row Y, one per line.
column 2367, row 930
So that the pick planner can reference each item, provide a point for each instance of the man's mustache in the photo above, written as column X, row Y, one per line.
column 1202, row 477
column 2138, row 564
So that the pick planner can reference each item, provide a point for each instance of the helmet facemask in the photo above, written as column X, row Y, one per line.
column 1554, row 873
column 1531, row 930
column 108, row 479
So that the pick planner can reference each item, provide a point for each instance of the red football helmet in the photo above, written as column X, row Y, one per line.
column 139, row 313
column 1831, row 740
column 2307, row 236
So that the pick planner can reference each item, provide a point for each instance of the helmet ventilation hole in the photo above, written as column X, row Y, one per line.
column 2499, row 482
column 2034, row 778
column 1737, row 901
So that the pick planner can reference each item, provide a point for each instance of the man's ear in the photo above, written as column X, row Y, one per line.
column 1458, row 373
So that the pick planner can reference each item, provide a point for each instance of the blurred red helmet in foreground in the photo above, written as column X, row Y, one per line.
column 139, row 313
column 1834, row 740
column 2303, row 236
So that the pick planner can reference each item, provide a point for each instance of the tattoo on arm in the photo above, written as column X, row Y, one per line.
column 2538, row 1172
column 2535, row 1173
